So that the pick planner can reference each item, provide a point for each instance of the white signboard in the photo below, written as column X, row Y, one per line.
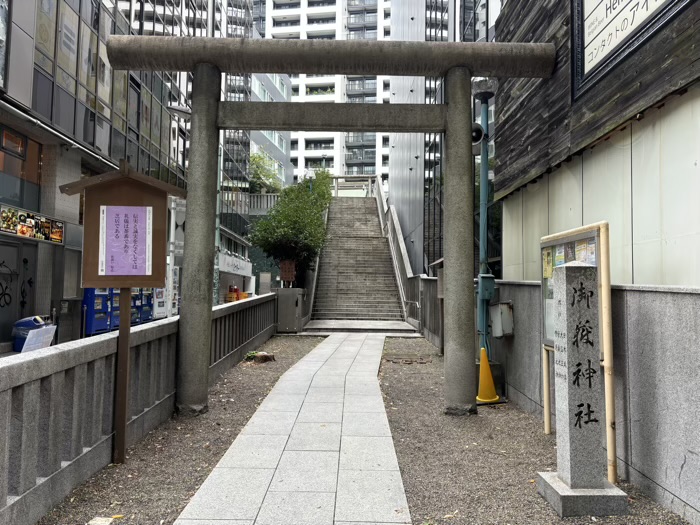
column 39, row 338
column 230, row 264
column 126, row 240
column 608, row 23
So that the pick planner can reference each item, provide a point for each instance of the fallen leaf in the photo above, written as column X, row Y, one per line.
column 118, row 516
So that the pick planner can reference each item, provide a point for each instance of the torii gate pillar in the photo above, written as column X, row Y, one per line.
column 194, row 334
column 460, row 357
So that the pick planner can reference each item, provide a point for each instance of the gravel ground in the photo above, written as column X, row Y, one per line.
column 478, row 469
column 164, row 470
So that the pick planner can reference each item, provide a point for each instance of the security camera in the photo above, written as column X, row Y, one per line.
column 478, row 134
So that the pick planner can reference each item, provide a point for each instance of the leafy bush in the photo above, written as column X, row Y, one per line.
column 263, row 175
column 294, row 227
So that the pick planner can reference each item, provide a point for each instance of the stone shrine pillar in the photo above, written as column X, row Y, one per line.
column 579, row 487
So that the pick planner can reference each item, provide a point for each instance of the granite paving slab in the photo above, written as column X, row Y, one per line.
column 317, row 452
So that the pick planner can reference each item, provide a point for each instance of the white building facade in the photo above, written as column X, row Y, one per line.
column 359, row 155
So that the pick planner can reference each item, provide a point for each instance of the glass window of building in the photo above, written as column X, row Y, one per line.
column 64, row 111
column 145, row 117
column 45, row 37
column 67, row 56
column 20, row 175
column 88, row 57
column 133, row 108
column 42, row 94
column 85, row 124
column 104, row 75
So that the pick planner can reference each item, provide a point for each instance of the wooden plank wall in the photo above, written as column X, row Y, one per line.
column 539, row 125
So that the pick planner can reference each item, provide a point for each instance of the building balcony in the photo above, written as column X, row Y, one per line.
column 321, row 3
column 356, row 87
column 362, row 100
column 360, row 174
column 354, row 5
column 360, row 156
column 319, row 91
column 276, row 6
column 361, row 35
column 321, row 21
column 286, row 23
column 360, row 139
column 311, row 147
column 362, row 20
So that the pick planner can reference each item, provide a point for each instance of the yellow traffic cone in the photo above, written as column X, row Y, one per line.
column 487, row 390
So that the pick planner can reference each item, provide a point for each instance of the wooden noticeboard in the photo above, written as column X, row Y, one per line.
column 124, row 246
column 125, row 229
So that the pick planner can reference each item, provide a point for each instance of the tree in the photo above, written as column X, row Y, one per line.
column 262, row 174
column 294, row 228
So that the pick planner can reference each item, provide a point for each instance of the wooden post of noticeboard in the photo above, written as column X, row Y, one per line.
column 121, row 400
column 124, row 246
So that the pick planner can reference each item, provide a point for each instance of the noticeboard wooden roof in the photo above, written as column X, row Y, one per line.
column 124, row 171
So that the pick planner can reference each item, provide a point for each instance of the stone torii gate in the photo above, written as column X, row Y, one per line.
column 207, row 58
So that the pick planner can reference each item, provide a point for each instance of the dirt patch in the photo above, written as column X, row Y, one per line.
column 165, row 469
column 479, row 469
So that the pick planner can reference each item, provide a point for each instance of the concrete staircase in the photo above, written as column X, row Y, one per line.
column 356, row 276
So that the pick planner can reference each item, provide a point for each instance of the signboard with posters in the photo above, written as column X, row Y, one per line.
column 30, row 225
column 581, row 245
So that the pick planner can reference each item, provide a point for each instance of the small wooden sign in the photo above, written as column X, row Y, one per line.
column 125, row 229
column 287, row 270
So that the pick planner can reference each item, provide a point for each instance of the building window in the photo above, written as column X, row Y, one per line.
column 20, row 175
column 45, row 40
column 13, row 143
column 67, row 55
column 88, row 57
column 64, row 110
column 42, row 96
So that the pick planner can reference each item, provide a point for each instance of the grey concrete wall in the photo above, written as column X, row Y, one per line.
column 657, row 375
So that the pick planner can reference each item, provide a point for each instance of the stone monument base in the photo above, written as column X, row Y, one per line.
column 607, row 501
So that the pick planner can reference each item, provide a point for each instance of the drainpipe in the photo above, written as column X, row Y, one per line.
column 483, row 91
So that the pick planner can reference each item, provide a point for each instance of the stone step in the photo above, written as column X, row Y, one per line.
column 334, row 302
column 322, row 316
column 335, row 310
column 341, row 308
column 350, row 295
column 333, row 282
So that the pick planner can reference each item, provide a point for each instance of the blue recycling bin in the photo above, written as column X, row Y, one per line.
column 21, row 329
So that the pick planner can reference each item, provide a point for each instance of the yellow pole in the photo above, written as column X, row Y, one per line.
column 547, row 401
column 606, row 318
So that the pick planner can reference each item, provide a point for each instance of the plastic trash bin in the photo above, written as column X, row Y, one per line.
column 21, row 329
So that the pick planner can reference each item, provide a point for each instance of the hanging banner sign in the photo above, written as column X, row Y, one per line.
column 609, row 23
column 126, row 240
column 605, row 32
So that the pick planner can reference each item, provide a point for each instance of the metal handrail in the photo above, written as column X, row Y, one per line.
column 391, row 228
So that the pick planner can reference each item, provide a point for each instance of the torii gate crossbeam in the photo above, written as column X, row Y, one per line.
column 208, row 57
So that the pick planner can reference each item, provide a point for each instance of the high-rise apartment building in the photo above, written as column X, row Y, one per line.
column 349, row 154
column 416, row 182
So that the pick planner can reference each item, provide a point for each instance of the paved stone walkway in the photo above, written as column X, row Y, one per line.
column 318, row 451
